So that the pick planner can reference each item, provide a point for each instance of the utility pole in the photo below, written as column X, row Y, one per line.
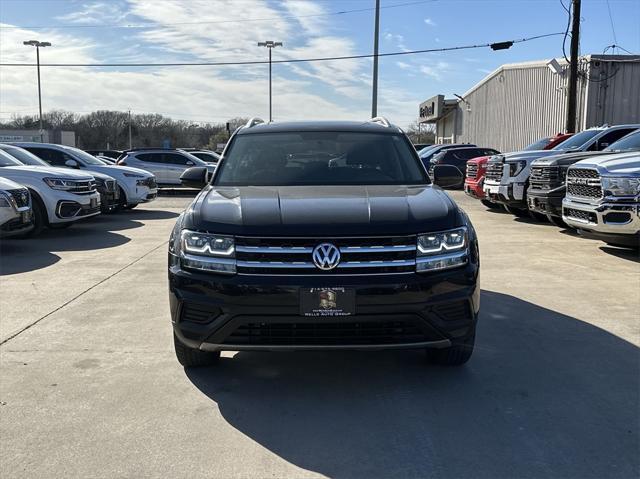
column 376, row 35
column 572, row 92
column 130, row 143
column 38, row 44
column 270, row 44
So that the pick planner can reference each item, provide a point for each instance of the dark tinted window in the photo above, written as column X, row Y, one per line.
column 612, row 137
column 53, row 157
column 628, row 143
column 149, row 157
column 175, row 159
column 320, row 158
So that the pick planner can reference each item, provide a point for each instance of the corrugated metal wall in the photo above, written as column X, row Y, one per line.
column 613, row 92
column 516, row 107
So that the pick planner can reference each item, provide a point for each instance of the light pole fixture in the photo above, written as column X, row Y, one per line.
column 38, row 44
column 270, row 44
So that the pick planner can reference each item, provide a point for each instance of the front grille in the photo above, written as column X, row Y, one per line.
column 320, row 333
column 472, row 170
column 580, row 215
column 583, row 183
column 110, row 185
column 20, row 197
column 546, row 177
column 494, row 171
column 294, row 256
column 150, row 182
column 83, row 187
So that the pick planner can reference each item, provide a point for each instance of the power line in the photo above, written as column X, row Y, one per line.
column 215, row 22
column 292, row 60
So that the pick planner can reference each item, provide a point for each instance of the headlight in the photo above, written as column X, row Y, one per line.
column 207, row 252
column 516, row 167
column 442, row 250
column 620, row 186
column 60, row 183
column 5, row 202
column 133, row 175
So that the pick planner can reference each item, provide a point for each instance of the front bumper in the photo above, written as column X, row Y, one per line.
column 474, row 187
column 247, row 312
column 18, row 224
column 63, row 207
column 108, row 199
column 511, row 194
column 546, row 202
column 142, row 194
column 606, row 218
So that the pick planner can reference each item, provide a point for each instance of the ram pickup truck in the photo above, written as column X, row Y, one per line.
column 322, row 235
column 603, row 198
column 547, row 186
column 477, row 167
column 507, row 178
column 15, row 209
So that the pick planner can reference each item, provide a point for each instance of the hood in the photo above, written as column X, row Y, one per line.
column 118, row 171
column 528, row 155
column 323, row 210
column 44, row 171
column 616, row 164
column 7, row 184
column 564, row 159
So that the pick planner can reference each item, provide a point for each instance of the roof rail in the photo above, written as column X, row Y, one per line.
column 380, row 120
column 253, row 122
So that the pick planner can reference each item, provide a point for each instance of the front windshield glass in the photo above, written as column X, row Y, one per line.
column 23, row 156
column 538, row 145
column 426, row 150
column 8, row 160
column 86, row 157
column 320, row 158
column 630, row 142
column 576, row 141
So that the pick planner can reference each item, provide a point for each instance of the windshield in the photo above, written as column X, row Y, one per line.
column 426, row 150
column 538, row 145
column 23, row 156
column 576, row 141
column 320, row 158
column 8, row 160
column 85, row 157
column 630, row 142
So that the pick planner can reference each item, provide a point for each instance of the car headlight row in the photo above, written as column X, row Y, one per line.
column 620, row 186
column 60, row 183
column 5, row 201
column 216, row 253
column 442, row 250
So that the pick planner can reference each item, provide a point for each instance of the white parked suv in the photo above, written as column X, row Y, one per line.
column 167, row 164
column 135, row 185
column 15, row 209
column 57, row 198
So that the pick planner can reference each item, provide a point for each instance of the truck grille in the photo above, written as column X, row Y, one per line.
column 580, row 215
column 20, row 197
column 294, row 256
column 472, row 170
column 583, row 183
column 546, row 177
column 494, row 171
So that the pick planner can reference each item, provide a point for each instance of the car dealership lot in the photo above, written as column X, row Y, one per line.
column 89, row 384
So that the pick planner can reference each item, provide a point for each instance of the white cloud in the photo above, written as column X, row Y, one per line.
column 403, row 65
column 430, row 22
column 95, row 13
column 437, row 71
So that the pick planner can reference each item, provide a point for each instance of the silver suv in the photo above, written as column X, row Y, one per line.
column 166, row 164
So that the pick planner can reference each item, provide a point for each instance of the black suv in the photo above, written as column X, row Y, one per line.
column 322, row 235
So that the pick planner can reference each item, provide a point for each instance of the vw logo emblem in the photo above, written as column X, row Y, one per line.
column 326, row 256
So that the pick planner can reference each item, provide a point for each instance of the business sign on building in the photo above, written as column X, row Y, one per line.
column 431, row 109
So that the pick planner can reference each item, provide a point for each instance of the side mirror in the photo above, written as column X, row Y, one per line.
column 71, row 163
column 195, row 177
column 190, row 163
column 447, row 176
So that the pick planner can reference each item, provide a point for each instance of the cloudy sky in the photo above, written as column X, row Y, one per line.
column 152, row 31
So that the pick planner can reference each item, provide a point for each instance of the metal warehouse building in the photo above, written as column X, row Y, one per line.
column 522, row 102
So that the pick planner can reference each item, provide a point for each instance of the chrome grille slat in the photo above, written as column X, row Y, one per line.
column 472, row 170
column 293, row 255
column 494, row 171
column 584, row 183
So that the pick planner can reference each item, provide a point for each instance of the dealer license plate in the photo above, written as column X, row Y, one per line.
column 327, row 302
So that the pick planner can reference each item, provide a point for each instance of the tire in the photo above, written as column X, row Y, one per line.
column 122, row 201
column 193, row 358
column 40, row 219
column 490, row 204
column 456, row 355
column 130, row 207
column 520, row 213
column 556, row 220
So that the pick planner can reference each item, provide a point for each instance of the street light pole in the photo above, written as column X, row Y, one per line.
column 38, row 44
column 376, row 35
column 270, row 44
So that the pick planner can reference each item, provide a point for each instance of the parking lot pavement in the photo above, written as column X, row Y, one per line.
column 89, row 385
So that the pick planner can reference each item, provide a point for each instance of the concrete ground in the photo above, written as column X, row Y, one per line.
column 90, row 387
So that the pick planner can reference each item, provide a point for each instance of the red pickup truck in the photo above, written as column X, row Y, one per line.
column 477, row 167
